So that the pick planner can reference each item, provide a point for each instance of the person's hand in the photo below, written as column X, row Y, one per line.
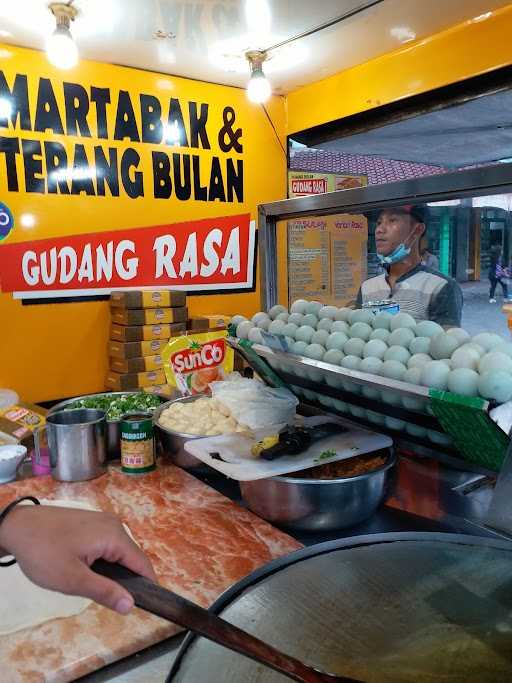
column 55, row 547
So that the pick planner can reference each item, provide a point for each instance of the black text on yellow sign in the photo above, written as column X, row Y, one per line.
column 47, row 167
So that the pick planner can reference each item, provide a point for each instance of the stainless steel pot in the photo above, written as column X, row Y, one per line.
column 318, row 504
column 78, row 444
column 172, row 443
column 113, row 426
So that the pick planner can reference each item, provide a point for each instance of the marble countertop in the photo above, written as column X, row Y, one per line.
column 199, row 542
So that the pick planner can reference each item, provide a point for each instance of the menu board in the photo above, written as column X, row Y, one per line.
column 327, row 258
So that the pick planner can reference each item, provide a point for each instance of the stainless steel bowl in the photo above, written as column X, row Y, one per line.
column 318, row 504
column 172, row 443
column 113, row 426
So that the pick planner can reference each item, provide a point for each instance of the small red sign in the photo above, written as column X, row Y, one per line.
column 309, row 185
column 209, row 254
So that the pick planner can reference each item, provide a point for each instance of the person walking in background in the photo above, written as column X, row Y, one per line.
column 428, row 259
column 498, row 271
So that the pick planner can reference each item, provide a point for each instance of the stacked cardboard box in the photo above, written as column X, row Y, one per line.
column 142, row 324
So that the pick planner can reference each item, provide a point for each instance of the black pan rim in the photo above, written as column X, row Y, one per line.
column 267, row 570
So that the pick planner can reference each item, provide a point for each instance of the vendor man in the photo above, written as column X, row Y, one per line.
column 424, row 293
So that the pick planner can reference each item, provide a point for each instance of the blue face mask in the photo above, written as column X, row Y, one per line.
column 398, row 254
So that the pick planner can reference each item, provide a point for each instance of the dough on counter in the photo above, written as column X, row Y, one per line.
column 25, row 605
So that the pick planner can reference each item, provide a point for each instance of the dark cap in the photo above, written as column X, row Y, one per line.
column 417, row 211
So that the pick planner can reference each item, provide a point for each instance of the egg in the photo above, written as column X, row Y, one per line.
column 475, row 347
column 374, row 417
column 289, row 330
column 463, row 381
column 460, row 335
column 439, row 438
column 325, row 400
column 327, row 312
column 289, row 340
column 276, row 327
column 443, row 345
column 354, row 347
column 243, row 329
column 413, row 376
column 299, row 306
column 298, row 348
column 382, row 321
column 415, row 430
column 283, row 316
column 418, row 360
column 333, row 356
column 340, row 405
column 419, row 345
column 310, row 319
column 370, row 392
column 340, row 326
column 435, row 375
column 394, row 423
column 297, row 390
column 488, row 340
column 428, row 328
column 397, row 353
column 351, row 362
column 320, row 337
column 494, row 360
column 401, row 336
column 276, row 310
column 402, row 320
column 237, row 319
column 371, row 364
column 380, row 333
column 342, row 314
column 255, row 335
column 305, row 333
column 260, row 316
column 314, row 351
column 263, row 323
column 313, row 308
column 375, row 348
column 496, row 384
column 296, row 319
column 393, row 369
column 465, row 358
column 505, row 347
column 360, row 330
column 361, row 315
column 309, row 395
column 392, row 398
column 324, row 324
column 315, row 375
column 357, row 411
column 336, row 340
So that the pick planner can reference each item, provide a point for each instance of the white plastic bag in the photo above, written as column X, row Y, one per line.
column 253, row 403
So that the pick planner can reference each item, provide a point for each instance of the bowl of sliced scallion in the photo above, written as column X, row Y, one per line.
column 115, row 404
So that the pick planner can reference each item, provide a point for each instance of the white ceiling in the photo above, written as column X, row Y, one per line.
column 209, row 37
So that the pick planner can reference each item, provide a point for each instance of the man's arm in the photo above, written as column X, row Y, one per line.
column 446, row 305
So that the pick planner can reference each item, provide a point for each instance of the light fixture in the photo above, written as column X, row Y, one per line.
column 27, row 220
column 258, row 88
column 61, row 49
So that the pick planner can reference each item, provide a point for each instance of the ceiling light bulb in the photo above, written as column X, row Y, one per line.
column 61, row 49
column 258, row 88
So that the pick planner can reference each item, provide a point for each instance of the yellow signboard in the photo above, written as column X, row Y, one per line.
column 90, row 154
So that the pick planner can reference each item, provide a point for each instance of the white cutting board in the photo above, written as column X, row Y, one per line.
column 243, row 466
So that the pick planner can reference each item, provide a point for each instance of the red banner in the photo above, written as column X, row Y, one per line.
column 214, row 253
column 309, row 186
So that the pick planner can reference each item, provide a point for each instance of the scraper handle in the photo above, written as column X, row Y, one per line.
column 168, row 605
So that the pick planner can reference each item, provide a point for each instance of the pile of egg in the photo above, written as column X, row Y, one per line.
column 391, row 346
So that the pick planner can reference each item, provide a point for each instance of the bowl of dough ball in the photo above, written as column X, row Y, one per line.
column 191, row 417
